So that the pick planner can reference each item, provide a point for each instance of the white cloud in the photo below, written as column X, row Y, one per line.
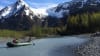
column 40, row 8
column 42, row 5
column 40, row 11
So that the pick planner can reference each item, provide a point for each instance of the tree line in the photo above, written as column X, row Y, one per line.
column 83, row 23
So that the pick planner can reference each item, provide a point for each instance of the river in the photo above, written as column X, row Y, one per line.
column 44, row 47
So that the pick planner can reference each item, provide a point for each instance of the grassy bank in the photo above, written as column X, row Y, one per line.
column 33, row 32
column 12, row 33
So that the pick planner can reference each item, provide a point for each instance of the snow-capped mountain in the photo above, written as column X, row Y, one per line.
column 83, row 6
column 59, row 11
column 74, row 7
column 21, row 15
column 18, row 15
column 10, row 10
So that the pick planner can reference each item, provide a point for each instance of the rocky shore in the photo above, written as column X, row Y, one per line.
column 90, row 48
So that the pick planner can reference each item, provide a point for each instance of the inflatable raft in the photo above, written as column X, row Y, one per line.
column 9, row 44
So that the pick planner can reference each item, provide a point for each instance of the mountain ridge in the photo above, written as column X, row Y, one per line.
column 17, row 16
column 20, row 14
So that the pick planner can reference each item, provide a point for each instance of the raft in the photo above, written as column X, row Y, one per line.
column 9, row 44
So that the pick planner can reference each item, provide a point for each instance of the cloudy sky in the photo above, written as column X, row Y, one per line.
column 34, row 3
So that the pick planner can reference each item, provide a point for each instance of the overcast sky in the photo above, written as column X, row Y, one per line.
column 34, row 3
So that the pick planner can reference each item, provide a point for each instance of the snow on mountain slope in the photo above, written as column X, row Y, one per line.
column 73, row 6
column 12, row 9
column 59, row 14
column 59, row 11
column 40, row 12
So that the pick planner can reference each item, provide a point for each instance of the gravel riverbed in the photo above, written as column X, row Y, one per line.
column 90, row 48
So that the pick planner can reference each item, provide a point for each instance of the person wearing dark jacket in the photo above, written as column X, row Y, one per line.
column 15, row 41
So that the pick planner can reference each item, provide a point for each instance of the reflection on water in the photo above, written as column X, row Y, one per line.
column 43, row 47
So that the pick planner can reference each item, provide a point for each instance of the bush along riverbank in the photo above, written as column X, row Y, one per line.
column 38, row 32
column 91, row 48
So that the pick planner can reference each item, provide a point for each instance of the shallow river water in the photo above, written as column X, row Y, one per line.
column 44, row 47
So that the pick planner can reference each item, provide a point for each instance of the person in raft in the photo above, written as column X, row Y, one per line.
column 15, row 40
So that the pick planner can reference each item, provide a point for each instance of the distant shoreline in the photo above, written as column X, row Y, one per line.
column 2, row 39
